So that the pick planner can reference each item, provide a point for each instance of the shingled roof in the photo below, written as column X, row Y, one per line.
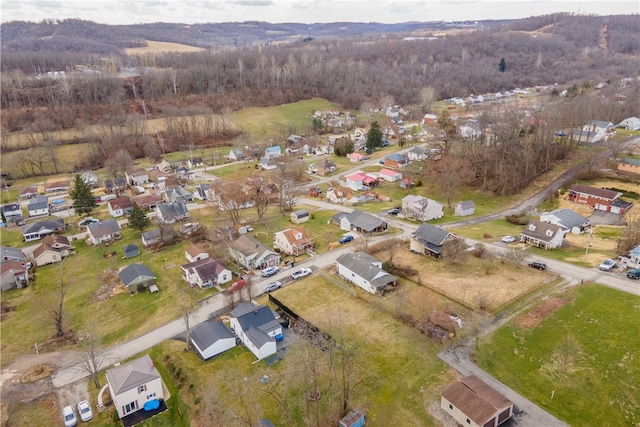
column 476, row 399
column 133, row 374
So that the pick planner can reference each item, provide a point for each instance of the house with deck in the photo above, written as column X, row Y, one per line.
column 428, row 240
column 103, row 231
column 13, row 275
column 293, row 241
column 250, row 253
column 38, row 230
column 365, row 271
column 542, row 235
column 257, row 328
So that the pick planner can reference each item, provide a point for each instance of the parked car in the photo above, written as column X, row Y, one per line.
column 508, row 239
column 237, row 285
column 84, row 409
column 301, row 273
column 272, row 286
column 270, row 271
column 69, row 417
column 538, row 265
column 634, row 274
column 346, row 239
column 248, row 228
column 608, row 265
column 394, row 211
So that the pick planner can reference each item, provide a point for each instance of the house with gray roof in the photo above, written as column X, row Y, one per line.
column 631, row 123
column 542, row 235
column 365, row 271
column 13, row 274
column 361, row 222
column 428, row 240
column 151, row 237
column 464, row 208
column 133, row 384
column 257, row 328
column 130, row 251
column 211, row 338
column 236, row 154
column 12, row 214
column 168, row 213
column 7, row 253
column 38, row 206
column 568, row 220
column 177, row 194
column 206, row 273
column 418, row 154
column 202, row 192
column 272, row 152
column 421, row 208
column 103, row 231
column 38, row 230
column 250, row 253
column 137, row 277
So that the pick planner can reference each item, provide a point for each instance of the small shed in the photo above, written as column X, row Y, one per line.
column 355, row 418
column 212, row 338
column 314, row 192
column 130, row 251
column 300, row 216
column 464, row 208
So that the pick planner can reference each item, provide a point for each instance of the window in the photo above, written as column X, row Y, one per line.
column 450, row 406
column 130, row 407
column 142, row 388
column 468, row 421
column 151, row 396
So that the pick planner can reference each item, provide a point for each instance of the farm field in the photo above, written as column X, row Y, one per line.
column 161, row 47
column 579, row 363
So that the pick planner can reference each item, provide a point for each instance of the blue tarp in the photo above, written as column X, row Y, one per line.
column 151, row 405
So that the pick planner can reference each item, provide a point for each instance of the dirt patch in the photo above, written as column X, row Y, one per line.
column 111, row 286
column 537, row 315
column 37, row 372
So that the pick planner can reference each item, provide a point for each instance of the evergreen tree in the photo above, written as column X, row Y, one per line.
column 374, row 137
column 83, row 200
column 138, row 219
column 503, row 65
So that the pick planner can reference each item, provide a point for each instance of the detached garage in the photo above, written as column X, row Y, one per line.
column 212, row 338
column 472, row 402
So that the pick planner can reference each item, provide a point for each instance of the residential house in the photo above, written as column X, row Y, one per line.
column 169, row 213
column 464, row 208
column 361, row 222
column 406, row 183
column 133, row 384
column 428, row 240
column 182, row 172
column 177, row 194
column 195, row 252
column 389, row 175
column 13, row 274
column 396, row 160
column 632, row 123
column 211, row 338
column 429, row 119
column 57, row 186
column 158, row 176
column 37, row 230
column 136, row 177
column 568, row 220
column 417, row 154
column 598, row 198
column 52, row 249
column 38, row 206
column 421, row 208
column 365, row 271
column 7, row 253
column 90, row 179
column 356, row 181
column 298, row 217
column 337, row 194
column 103, row 231
column 542, row 235
column 202, row 192
column 206, row 272
column 12, row 214
column 250, row 253
column 293, row 241
column 195, row 162
column 272, row 152
column 117, row 185
column 469, row 131
column 137, row 278
column 581, row 135
column 151, row 237
column 165, row 167
column 120, row 206
column 28, row 192
column 130, row 251
column 237, row 154
column 628, row 166
column 472, row 402
column 601, row 128
column 148, row 202
column 356, row 157
column 257, row 328
column 267, row 164
column 325, row 167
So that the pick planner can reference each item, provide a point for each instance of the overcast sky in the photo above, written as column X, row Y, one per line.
column 304, row 11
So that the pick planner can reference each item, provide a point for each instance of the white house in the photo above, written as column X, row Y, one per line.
column 250, row 253
column 418, row 154
column 389, row 175
column 195, row 252
column 38, row 206
column 472, row 402
column 151, row 237
column 133, row 384
column 206, row 273
column 293, row 241
column 272, row 152
column 464, row 208
column 542, row 235
column 469, row 131
column 601, row 128
column 632, row 123
column 257, row 328
column 137, row 177
column 568, row 220
column 236, row 154
column 120, row 206
column 365, row 271
column 103, row 231
column 421, row 208
column 356, row 181
column 211, row 338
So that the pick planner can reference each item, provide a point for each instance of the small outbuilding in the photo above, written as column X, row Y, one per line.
column 472, row 402
column 300, row 216
column 464, row 208
column 212, row 338
column 130, row 251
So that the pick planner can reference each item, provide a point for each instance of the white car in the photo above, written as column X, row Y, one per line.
column 608, row 265
column 508, row 239
column 301, row 273
column 84, row 409
column 270, row 271
column 69, row 417
column 272, row 286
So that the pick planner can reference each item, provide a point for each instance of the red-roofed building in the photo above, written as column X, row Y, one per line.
column 389, row 175
column 356, row 181
column 598, row 198
column 474, row 403
column 355, row 157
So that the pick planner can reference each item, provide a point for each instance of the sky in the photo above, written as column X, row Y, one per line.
column 300, row 11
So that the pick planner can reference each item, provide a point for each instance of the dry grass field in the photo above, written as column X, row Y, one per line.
column 158, row 47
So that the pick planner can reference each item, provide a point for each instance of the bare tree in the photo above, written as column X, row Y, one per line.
column 476, row 325
column 455, row 250
column 90, row 354
column 57, row 310
column 233, row 202
column 187, row 304
column 451, row 173
column 391, row 249
column 516, row 256
column 260, row 203
column 566, row 352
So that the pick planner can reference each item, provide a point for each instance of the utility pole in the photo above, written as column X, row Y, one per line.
column 588, row 242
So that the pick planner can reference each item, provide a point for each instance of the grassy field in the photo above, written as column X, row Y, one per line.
column 159, row 47
column 580, row 363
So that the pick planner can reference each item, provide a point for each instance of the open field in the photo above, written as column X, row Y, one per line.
column 161, row 47
column 580, row 363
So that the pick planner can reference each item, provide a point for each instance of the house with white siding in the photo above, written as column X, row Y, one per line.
column 421, row 208
column 365, row 271
column 206, row 273
column 257, row 328
column 211, row 338
column 542, row 235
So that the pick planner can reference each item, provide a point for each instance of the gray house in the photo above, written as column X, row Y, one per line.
column 7, row 253
column 38, row 206
column 464, row 208
column 103, row 231
column 568, row 220
column 212, row 338
column 151, row 237
column 39, row 229
column 250, row 253
column 12, row 213
column 361, row 222
column 257, row 327
column 428, row 240
column 168, row 213
column 137, row 277
column 365, row 271
column 130, row 251
column 178, row 194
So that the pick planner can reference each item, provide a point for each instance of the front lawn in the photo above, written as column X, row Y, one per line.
column 580, row 363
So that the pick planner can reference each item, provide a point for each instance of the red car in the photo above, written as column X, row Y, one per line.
column 237, row 285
